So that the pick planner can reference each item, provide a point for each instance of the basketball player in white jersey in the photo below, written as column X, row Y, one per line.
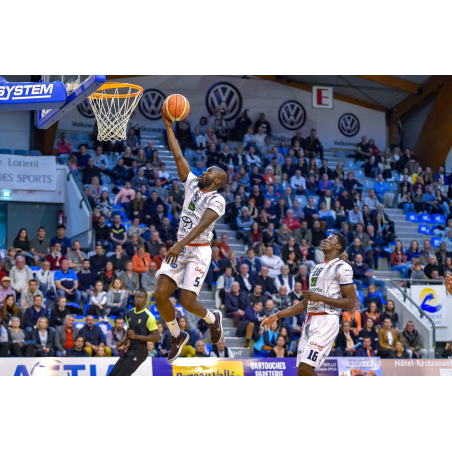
column 188, row 261
column 330, row 291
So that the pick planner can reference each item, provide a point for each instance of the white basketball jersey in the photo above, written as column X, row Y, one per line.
column 196, row 202
column 327, row 279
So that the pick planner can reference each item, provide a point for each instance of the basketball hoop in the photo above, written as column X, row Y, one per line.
column 112, row 104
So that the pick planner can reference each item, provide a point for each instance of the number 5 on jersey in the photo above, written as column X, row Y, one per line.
column 197, row 281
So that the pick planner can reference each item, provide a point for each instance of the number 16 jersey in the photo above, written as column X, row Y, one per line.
column 196, row 202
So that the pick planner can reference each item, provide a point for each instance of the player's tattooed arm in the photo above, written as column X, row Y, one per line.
column 289, row 312
column 346, row 302
column 181, row 164
column 206, row 220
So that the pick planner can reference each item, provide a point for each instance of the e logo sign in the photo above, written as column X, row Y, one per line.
column 322, row 97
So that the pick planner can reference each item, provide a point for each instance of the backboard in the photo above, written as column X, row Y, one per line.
column 78, row 87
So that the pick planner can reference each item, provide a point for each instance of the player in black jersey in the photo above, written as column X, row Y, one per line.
column 141, row 328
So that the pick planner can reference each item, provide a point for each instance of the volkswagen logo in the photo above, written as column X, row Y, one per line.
column 348, row 125
column 292, row 115
column 151, row 104
column 227, row 96
column 84, row 108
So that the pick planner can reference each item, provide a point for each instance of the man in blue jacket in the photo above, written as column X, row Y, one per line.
column 377, row 243
column 94, row 337
column 366, row 349
column 253, row 262
column 250, row 323
column 236, row 303
column 245, row 279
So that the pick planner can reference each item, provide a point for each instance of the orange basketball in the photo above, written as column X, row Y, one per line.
column 176, row 107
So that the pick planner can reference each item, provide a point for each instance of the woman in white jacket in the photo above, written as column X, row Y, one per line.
column 97, row 302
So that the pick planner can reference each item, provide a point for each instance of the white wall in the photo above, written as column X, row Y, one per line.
column 259, row 96
column 15, row 130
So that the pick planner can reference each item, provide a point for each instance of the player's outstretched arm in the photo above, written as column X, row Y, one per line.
column 448, row 283
column 152, row 337
column 206, row 220
column 346, row 302
column 181, row 164
column 289, row 312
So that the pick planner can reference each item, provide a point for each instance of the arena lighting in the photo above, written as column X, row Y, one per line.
column 6, row 193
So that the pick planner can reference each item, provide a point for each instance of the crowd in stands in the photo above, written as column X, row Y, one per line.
column 282, row 200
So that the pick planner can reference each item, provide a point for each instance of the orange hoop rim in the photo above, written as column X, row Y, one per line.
column 114, row 85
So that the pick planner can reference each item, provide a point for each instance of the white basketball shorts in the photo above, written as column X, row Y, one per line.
column 191, row 267
column 317, row 339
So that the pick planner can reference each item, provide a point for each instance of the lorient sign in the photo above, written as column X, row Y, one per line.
column 27, row 173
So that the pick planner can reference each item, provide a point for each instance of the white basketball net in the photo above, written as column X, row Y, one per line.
column 112, row 105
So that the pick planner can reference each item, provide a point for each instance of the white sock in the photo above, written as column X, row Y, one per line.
column 174, row 328
column 209, row 318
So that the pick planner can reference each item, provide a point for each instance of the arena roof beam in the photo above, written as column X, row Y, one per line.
column 435, row 140
column 306, row 87
column 414, row 101
column 393, row 82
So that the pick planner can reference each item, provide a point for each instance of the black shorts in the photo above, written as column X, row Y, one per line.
column 129, row 362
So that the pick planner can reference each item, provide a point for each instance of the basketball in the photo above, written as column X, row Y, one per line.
column 176, row 107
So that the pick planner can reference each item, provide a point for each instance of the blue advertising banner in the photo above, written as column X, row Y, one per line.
column 262, row 367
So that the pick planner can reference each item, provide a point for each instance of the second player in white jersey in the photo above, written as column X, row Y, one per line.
column 330, row 291
column 326, row 279
column 196, row 202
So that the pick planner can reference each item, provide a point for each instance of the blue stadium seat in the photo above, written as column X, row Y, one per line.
column 424, row 229
column 79, row 325
column 393, row 186
column 386, row 248
column 412, row 217
column 438, row 219
column 6, row 151
column 91, row 253
column 106, row 179
column 358, row 173
column 71, row 303
column 34, row 153
column 368, row 183
column 361, row 296
column 181, row 309
column 121, row 213
column 20, row 152
column 154, row 311
column 104, row 327
column 349, row 164
column 110, row 253
column 79, row 317
column 208, row 349
column 340, row 155
column 425, row 218
column 435, row 241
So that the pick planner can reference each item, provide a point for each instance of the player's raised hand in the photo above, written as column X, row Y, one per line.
column 166, row 120
column 448, row 283
column 173, row 254
column 269, row 321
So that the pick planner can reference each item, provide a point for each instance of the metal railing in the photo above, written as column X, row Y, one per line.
column 421, row 311
column 80, row 186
